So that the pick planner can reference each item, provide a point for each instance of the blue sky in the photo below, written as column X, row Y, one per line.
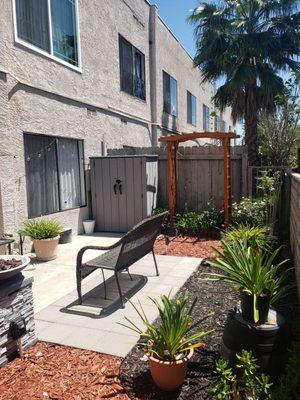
column 174, row 13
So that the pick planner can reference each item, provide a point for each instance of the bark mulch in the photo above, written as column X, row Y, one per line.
column 186, row 246
column 61, row 373
column 213, row 297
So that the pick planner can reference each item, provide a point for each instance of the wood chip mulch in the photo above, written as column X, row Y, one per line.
column 52, row 372
column 215, row 297
column 186, row 246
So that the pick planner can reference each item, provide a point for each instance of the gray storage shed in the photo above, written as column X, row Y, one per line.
column 124, row 190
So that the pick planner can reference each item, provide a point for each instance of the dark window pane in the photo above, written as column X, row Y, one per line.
column 194, row 110
column 126, row 65
column 32, row 22
column 189, row 107
column 64, row 35
column 139, row 74
column 174, row 103
column 41, row 175
column 167, row 92
column 206, row 118
column 217, row 123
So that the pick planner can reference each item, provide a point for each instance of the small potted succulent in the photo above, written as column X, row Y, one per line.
column 45, row 236
column 254, row 271
column 170, row 342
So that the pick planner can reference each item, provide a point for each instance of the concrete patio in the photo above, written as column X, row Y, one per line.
column 94, row 325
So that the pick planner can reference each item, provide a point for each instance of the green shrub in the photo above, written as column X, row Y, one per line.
column 255, row 237
column 251, row 384
column 249, row 212
column 171, row 338
column 252, row 270
column 289, row 385
column 41, row 229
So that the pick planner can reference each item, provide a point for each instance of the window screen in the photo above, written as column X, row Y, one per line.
column 170, row 94
column 191, row 109
column 206, row 118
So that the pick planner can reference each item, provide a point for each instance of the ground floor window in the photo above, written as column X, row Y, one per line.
column 54, row 174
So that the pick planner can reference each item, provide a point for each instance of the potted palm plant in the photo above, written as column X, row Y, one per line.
column 170, row 342
column 45, row 236
column 254, row 272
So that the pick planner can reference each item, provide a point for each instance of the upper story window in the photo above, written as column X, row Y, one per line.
column 170, row 94
column 223, row 126
column 49, row 26
column 191, row 109
column 206, row 118
column 217, row 123
column 132, row 69
column 229, row 128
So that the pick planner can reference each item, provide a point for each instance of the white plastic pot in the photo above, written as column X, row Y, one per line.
column 89, row 226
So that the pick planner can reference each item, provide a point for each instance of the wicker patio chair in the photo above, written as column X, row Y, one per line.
column 134, row 245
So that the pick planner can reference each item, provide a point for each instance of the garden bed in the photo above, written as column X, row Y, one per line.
column 61, row 373
column 214, row 297
column 186, row 246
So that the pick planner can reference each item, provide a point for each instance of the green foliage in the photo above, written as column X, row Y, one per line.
column 289, row 385
column 247, row 43
column 41, row 228
column 252, row 383
column 249, row 212
column 194, row 224
column 255, row 237
column 279, row 132
column 159, row 210
column 250, row 269
column 171, row 338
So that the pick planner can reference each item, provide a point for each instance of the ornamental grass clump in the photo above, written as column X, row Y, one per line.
column 41, row 229
column 253, row 271
column 255, row 237
column 175, row 334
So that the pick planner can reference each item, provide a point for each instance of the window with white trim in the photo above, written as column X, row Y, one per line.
column 206, row 118
column 191, row 109
column 54, row 174
column 49, row 25
column 217, row 123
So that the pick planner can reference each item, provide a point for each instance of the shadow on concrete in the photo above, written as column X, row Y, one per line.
column 94, row 299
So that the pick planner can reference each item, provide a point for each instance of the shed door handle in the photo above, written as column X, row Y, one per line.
column 120, row 188
column 115, row 188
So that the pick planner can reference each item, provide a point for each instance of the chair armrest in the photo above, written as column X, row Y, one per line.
column 101, row 248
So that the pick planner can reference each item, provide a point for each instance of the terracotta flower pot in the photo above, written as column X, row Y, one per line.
column 169, row 375
column 46, row 249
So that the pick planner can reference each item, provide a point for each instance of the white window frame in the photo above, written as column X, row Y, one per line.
column 43, row 52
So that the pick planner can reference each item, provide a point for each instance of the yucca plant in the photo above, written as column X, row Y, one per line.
column 255, row 237
column 41, row 228
column 252, row 271
column 171, row 338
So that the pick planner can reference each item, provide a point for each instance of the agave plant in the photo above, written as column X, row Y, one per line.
column 41, row 228
column 251, row 270
column 172, row 336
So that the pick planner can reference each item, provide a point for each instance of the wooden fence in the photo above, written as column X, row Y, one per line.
column 200, row 174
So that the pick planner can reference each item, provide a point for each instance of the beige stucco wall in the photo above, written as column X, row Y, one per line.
column 40, row 95
column 295, row 224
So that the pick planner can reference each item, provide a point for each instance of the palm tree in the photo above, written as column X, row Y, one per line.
column 247, row 44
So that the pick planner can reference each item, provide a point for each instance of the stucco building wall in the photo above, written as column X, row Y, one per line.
column 40, row 95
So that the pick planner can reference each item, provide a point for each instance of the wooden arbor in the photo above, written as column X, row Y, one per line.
column 173, row 141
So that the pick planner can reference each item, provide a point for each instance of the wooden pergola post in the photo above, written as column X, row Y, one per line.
column 173, row 141
column 227, row 180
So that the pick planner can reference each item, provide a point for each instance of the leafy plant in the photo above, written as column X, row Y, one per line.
column 247, row 43
column 255, row 237
column 251, row 383
column 289, row 385
column 249, row 212
column 172, row 337
column 251, row 270
column 41, row 229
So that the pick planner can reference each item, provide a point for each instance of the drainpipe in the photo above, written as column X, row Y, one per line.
column 153, row 71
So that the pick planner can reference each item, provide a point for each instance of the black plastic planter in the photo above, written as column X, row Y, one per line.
column 263, row 306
